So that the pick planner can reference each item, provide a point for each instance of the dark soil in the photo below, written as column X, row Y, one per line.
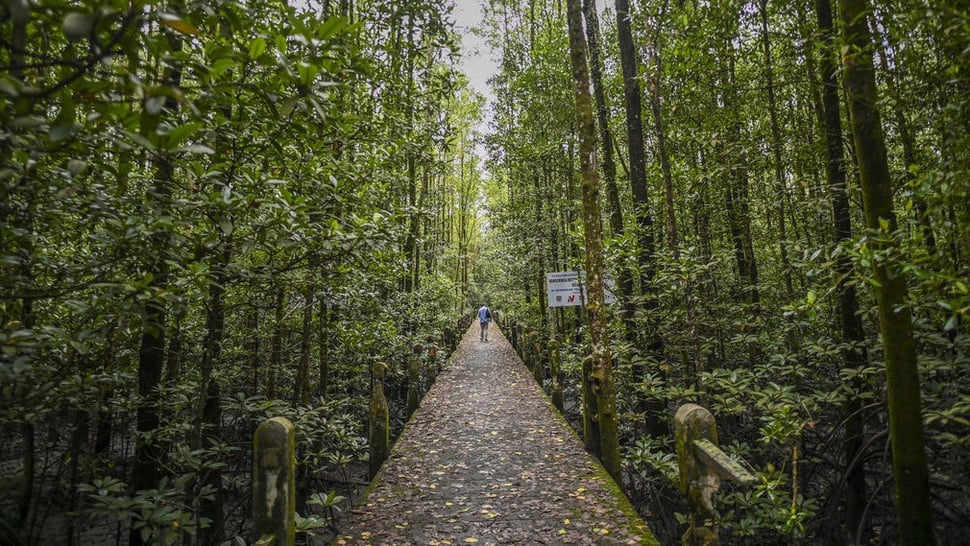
column 487, row 460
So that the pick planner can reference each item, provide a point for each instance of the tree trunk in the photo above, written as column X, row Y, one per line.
column 906, row 139
column 602, row 366
column 624, row 278
column 323, row 338
column 602, row 117
column 634, row 130
column 276, row 349
column 641, row 202
column 21, row 219
column 252, row 346
column 418, row 233
column 210, row 412
column 851, row 322
column 301, row 390
column 737, row 192
column 411, row 241
column 147, row 469
column 776, row 145
column 655, row 62
column 173, row 364
column 910, row 473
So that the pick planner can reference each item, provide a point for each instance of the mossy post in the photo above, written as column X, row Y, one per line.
column 378, row 436
column 414, row 379
column 692, row 422
column 449, row 338
column 514, row 333
column 433, row 367
column 555, row 367
column 537, row 372
column 527, row 348
column 274, row 483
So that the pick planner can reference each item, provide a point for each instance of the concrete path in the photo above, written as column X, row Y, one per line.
column 488, row 460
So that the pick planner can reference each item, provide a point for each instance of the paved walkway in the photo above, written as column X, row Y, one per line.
column 487, row 460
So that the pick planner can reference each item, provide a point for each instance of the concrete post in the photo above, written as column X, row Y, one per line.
column 537, row 371
column 555, row 367
column 274, row 483
column 702, row 467
column 514, row 334
column 379, row 430
column 433, row 368
column 414, row 379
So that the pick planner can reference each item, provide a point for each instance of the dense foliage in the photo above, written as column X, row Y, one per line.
column 739, row 305
column 211, row 213
column 215, row 212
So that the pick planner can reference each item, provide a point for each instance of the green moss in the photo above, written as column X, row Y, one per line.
column 635, row 524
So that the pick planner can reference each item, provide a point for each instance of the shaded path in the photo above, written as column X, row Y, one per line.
column 487, row 460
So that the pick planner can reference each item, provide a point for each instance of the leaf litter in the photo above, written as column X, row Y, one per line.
column 486, row 460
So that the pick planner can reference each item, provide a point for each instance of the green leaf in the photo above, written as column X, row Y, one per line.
column 197, row 149
column 287, row 109
column 141, row 141
column 226, row 226
column 9, row 86
column 77, row 26
column 76, row 166
column 63, row 131
column 182, row 132
column 257, row 47
column 220, row 67
column 330, row 27
column 307, row 72
column 154, row 104
column 175, row 23
column 951, row 324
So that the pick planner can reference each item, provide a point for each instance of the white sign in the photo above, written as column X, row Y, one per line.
column 568, row 288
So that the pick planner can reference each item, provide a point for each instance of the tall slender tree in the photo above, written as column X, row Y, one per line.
column 602, row 374
column 641, row 200
column 637, row 154
column 624, row 277
column 149, row 452
column 910, row 471
column 853, row 356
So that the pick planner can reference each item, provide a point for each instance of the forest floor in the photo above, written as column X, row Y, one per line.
column 486, row 459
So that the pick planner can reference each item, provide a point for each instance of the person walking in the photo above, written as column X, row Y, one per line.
column 484, row 317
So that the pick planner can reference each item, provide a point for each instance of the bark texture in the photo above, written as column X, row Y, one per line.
column 602, row 379
column 910, row 474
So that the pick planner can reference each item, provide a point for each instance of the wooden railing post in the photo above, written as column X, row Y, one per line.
column 555, row 366
column 414, row 379
column 537, row 371
column 514, row 334
column 526, row 349
column 274, row 483
column 379, row 417
column 449, row 339
column 433, row 368
column 702, row 467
